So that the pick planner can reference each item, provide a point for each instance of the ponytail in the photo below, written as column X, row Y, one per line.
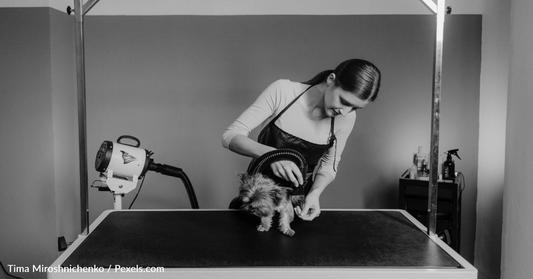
column 355, row 75
column 319, row 78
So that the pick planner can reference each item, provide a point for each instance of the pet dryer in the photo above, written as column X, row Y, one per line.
column 262, row 165
column 121, row 165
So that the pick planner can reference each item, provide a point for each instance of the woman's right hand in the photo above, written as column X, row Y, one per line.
column 289, row 171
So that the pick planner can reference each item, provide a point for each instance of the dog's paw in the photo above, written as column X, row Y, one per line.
column 298, row 210
column 289, row 232
column 263, row 228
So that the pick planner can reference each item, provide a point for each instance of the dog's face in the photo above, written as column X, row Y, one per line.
column 259, row 195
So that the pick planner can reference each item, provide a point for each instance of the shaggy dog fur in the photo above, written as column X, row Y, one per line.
column 263, row 198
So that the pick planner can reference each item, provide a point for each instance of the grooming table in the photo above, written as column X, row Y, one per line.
column 225, row 244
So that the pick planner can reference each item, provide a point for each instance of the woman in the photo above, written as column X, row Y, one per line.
column 314, row 117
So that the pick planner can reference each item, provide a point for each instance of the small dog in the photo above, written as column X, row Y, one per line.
column 262, row 197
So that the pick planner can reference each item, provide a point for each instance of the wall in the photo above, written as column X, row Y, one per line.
column 492, row 128
column 65, row 124
column 176, row 82
column 248, row 7
column 517, row 247
column 145, row 79
column 37, row 192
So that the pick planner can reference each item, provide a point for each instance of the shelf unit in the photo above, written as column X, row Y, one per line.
column 413, row 197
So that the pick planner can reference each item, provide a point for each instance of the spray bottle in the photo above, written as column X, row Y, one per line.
column 448, row 168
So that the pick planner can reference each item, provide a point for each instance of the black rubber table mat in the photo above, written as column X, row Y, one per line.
column 178, row 239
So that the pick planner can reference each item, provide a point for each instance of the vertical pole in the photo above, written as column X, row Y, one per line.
column 117, row 201
column 82, row 118
column 434, row 152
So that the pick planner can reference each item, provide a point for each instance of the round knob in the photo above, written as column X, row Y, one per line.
column 448, row 10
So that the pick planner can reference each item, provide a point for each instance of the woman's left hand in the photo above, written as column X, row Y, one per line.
column 289, row 171
column 311, row 208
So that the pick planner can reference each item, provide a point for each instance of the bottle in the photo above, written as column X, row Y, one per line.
column 448, row 168
column 422, row 158
column 424, row 173
column 413, row 171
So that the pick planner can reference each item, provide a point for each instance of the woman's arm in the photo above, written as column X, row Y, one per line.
column 248, row 147
column 326, row 170
column 262, row 109
column 236, row 137
column 311, row 208
column 287, row 170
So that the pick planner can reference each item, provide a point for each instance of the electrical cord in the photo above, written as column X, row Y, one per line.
column 96, row 181
column 138, row 191
column 7, row 273
column 460, row 180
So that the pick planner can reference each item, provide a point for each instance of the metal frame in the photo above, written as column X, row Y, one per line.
column 81, row 9
column 439, row 10
column 466, row 271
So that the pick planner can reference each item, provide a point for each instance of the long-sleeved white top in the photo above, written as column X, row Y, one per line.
column 294, row 121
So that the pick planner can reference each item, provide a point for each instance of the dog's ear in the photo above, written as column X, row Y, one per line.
column 242, row 176
column 278, row 194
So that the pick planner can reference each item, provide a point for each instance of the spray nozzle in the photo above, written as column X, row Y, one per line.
column 453, row 152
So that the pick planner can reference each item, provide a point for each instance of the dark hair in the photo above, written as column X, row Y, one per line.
column 355, row 75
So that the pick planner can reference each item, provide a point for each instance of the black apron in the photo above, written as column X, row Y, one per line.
column 273, row 136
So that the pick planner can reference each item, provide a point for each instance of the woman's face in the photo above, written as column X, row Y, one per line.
column 340, row 102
